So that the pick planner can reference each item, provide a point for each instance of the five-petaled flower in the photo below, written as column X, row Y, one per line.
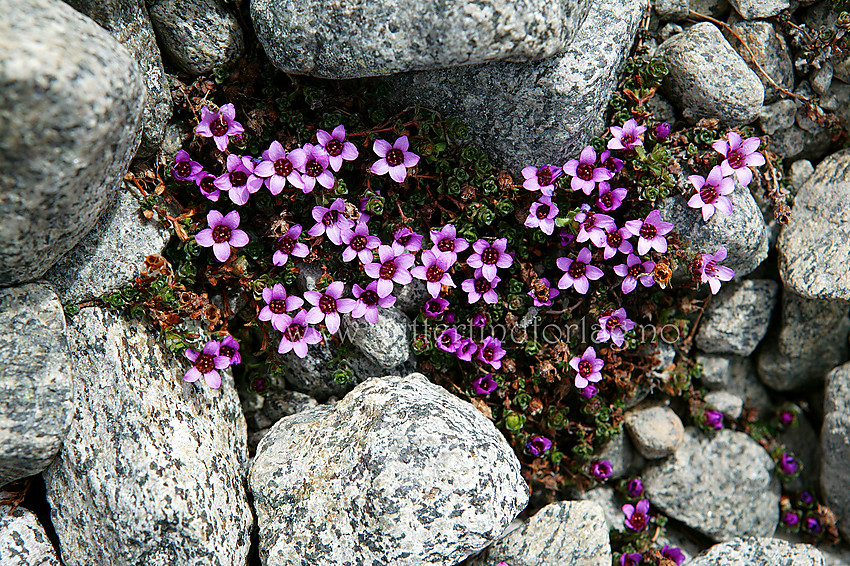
column 206, row 364
column 434, row 271
column 221, row 234
column 435, row 307
column 541, row 178
column 409, row 240
column 635, row 270
column 229, row 348
column 538, row 445
column 739, row 156
column 288, row 245
column 616, row 241
column 327, row 305
column 584, row 172
column 448, row 340
column 673, row 553
column 489, row 256
column 587, row 368
column 336, row 147
column 315, row 168
column 491, row 352
column 447, row 242
column 578, row 271
column 713, row 419
column 184, row 168
column 593, row 226
column 712, row 273
column 479, row 287
column 650, row 232
column 392, row 266
column 297, row 335
column 278, row 303
column 239, row 180
column 466, row 349
column 394, row 159
column 279, row 167
column 542, row 215
column 711, row 193
column 614, row 326
column 543, row 294
column 330, row 221
column 359, row 243
column 368, row 302
column 610, row 199
column 601, row 469
column 484, row 385
column 626, row 137
column 220, row 126
column 637, row 515
column 206, row 184
column 634, row 487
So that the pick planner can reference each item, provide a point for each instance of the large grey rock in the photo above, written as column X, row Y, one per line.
column 197, row 35
column 754, row 9
column 768, row 49
column 110, row 256
column 721, row 485
column 811, row 338
column 656, row 431
column 128, row 22
column 671, row 9
column 73, row 99
column 565, row 532
column 386, row 343
column 737, row 318
column 743, row 233
column 152, row 472
column 35, row 384
column 752, row 551
column 612, row 506
column 735, row 375
column 23, row 541
column 367, row 38
column 814, row 245
column 727, row 403
column 708, row 79
column 539, row 112
column 398, row 472
column 835, row 446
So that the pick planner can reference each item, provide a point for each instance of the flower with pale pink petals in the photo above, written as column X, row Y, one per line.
column 633, row 271
column 229, row 348
column 650, row 233
column 316, row 168
column 330, row 221
column 613, row 164
column 394, row 159
column 616, row 241
column 479, row 287
column 239, row 181
column 542, row 215
column 594, row 226
column 409, row 240
column 739, row 156
column 221, row 234
column 279, row 167
column 220, row 126
column 489, row 256
column 434, row 271
column 206, row 184
column 584, row 172
column 637, row 516
column 712, row 273
column 392, row 267
column 327, row 305
column 368, row 302
column 297, row 335
column 610, row 199
column 627, row 137
column 206, row 364
column 578, row 272
column 613, row 327
column 711, row 193
column 336, row 147
column 587, row 368
column 491, row 352
column 278, row 303
column 288, row 245
column 360, row 243
column 446, row 240
column 541, row 178
column 184, row 168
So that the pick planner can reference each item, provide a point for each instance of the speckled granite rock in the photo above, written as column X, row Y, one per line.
column 656, row 431
column 73, row 99
column 835, row 446
column 815, row 245
column 737, row 318
column 264, row 410
column 716, row 8
column 721, row 485
column 152, row 470
column 565, row 532
column 769, row 50
column 111, row 255
column 811, row 338
column 671, row 9
column 197, row 35
column 411, row 297
column 727, row 403
column 387, row 343
column 36, row 401
column 609, row 502
column 398, row 472
column 754, row 9
column 736, row 375
column 23, row 541
column 368, row 38
column 751, row 551
column 540, row 112
column 708, row 79
column 128, row 22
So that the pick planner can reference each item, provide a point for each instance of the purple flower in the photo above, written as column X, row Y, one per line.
column 631, row 559
column 435, row 307
column 611, row 163
column 788, row 464
column 336, row 147
column 673, row 553
column 360, row 243
column 587, row 367
column 466, row 349
column 712, row 273
column 219, row 126
column 636, row 515
column 610, row 199
column 589, row 391
column 584, row 174
column 594, row 227
column 394, row 159
column 661, row 130
column 392, row 266
column 278, row 167
column 446, row 240
column 297, row 335
column 541, row 179
column 790, row 518
column 288, row 245
column 711, row 193
column 184, row 168
column 627, row 137
column 813, row 525
column 479, row 320
column 566, row 237
column 328, row 305
column 634, row 270
column 409, row 240
column 713, row 419
column 239, row 181
column 448, row 340
column 538, row 445
column 229, row 348
column 484, row 385
column 613, row 327
column 488, row 257
column 650, row 233
column 277, row 305
column 601, row 469
column 578, row 271
column 434, row 271
column 553, row 293
column 331, row 221
column 479, row 287
column 205, row 364
column 542, row 215
column 787, row 417
column 221, row 234
column 491, row 352
column 368, row 302
column 634, row 487
column 616, row 241
column 740, row 156
column 206, row 183
column 806, row 498
column 315, row 168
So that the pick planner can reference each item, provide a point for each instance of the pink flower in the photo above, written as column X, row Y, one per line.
column 636, row 515
column 594, row 227
column 279, row 167
column 221, row 234
column 711, row 272
column 229, row 348
column 392, row 266
column 616, row 241
column 315, row 168
column 611, row 163
column 610, row 199
column 239, row 181
column 297, row 335
column 650, row 233
column 336, row 147
column 184, row 168
column 288, row 245
column 484, row 385
column 409, row 240
column 446, row 240
column 360, row 243
column 541, row 179
column 489, row 256
column 327, row 305
column 491, row 352
column 434, row 271
column 584, row 174
column 740, row 156
column 578, row 271
column 614, row 326
column 220, row 126
column 711, row 193
column 205, row 364
column 633, row 271
column 466, row 349
column 627, row 137
column 587, row 367
column 394, row 159
column 479, row 287
column 553, row 293
column 277, row 305
column 368, row 302
column 448, row 340
column 206, row 184
column 542, row 215
column 435, row 307
column 331, row 221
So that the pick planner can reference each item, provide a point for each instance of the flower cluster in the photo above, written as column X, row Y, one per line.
column 214, row 356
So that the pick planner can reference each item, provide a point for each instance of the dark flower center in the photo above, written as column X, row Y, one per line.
column 648, row 231
column 183, row 168
column 327, row 304
column 205, row 363
column 208, row 184
column 358, row 243
column 481, row 285
column 218, row 127
column 388, row 270
column 610, row 164
column 542, row 211
column 282, row 167
column 487, row 353
column 226, row 351
column 294, row 332
column 490, row 255
column 585, row 368
column 434, row 274
column 313, row 168
column 708, row 194
column 614, row 239
column 638, row 521
column 607, row 200
column 334, row 147
column 446, row 340
column 286, row 245
column 736, row 159
column 395, row 157
column 628, row 139
column 330, row 217
column 613, row 323
column 369, row 298
column 710, row 269
column 584, row 171
column 544, row 176
column 278, row 306
column 589, row 222
column 577, row 269
column 221, row 234
column 446, row 245
column 636, row 270
column 238, row 178
column 403, row 240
